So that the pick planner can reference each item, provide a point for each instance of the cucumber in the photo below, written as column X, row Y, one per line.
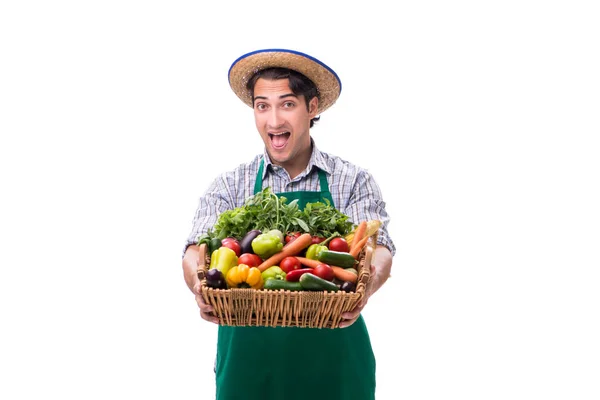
column 276, row 284
column 337, row 258
column 313, row 282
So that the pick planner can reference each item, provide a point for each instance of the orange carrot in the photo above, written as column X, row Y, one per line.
column 290, row 249
column 355, row 251
column 308, row 262
column 339, row 272
column 344, row 275
column 359, row 233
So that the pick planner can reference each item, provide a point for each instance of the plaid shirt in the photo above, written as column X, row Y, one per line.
column 354, row 191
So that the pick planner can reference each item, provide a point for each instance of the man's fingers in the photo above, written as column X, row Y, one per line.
column 209, row 317
column 206, row 310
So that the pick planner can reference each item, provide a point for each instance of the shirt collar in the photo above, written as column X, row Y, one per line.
column 317, row 159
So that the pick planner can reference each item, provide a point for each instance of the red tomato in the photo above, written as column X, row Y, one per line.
column 324, row 271
column 233, row 244
column 317, row 239
column 339, row 244
column 290, row 237
column 251, row 260
column 290, row 263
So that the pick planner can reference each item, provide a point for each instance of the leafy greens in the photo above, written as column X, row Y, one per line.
column 265, row 211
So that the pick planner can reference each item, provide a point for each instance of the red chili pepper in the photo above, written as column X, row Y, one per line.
column 294, row 276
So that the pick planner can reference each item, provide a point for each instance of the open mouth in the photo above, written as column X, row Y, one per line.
column 279, row 140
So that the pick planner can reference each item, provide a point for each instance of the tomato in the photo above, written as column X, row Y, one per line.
column 290, row 237
column 233, row 244
column 324, row 271
column 290, row 263
column 251, row 260
column 317, row 239
column 339, row 244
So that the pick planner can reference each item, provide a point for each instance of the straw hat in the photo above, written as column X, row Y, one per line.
column 327, row 82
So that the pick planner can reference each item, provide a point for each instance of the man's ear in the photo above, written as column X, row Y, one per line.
column 313, row 106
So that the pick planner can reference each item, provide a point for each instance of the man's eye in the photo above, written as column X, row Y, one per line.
column 288, row 104
column 260, row 106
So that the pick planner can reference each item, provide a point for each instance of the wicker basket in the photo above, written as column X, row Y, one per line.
column 251, row 307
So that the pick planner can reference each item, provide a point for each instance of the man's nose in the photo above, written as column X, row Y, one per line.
column 275, row 120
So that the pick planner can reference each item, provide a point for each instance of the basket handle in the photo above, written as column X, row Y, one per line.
column 366, row 277
column 202, row 261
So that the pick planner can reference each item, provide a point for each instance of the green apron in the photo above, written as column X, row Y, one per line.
column 291, row 363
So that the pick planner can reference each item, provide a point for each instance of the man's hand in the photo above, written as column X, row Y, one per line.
column 351, row 316
column 381, row 265
column 190, row 273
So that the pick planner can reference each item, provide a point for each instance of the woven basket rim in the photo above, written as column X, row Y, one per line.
column 262, row 307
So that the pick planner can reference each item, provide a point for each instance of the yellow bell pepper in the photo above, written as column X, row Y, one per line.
column 243, row 276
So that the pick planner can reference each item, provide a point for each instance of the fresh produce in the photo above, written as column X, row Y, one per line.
column 276, row 284
column 308, row 262
column 313, row 282
column 372, row 227
column 289, row 264
column 243, row 276
column 355, row 250
column 223, row 259
column 215, row 279
column 273, row 272
column 233, row 244
column 294, row 276
column 250, row 259
column 290, row 249
column 324, row 220
column 359, row 233
column 291, row 236
column 277, row 233
column 314, row 249
column 318, row 239
column 266, row 211
column 337, row 258
column 212, row 243
column 339, row 244
column 266, row 244
column 324, row 271
column 343, row 274
column 348, row 287
column 246, row 242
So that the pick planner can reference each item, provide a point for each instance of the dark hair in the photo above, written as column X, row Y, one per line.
column 300, row 85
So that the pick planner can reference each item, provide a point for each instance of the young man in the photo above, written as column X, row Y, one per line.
column 288, row 91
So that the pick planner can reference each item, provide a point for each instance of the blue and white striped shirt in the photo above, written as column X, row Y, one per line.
column 354, row 191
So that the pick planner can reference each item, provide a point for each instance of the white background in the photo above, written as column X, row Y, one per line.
column 478, row 119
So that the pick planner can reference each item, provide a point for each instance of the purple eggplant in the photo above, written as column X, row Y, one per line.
column 246, row 242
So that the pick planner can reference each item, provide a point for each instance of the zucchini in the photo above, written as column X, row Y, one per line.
column 337, row 258
column 313, row 282
column 277, row 284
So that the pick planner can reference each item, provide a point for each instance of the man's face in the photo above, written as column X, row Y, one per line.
column 283, row 123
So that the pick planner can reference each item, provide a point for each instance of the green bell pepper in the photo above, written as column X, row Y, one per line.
column 266, row 244
column 273, row 272
column 223, row 259
column 313, row 250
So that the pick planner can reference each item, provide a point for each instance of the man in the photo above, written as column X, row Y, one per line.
column 288, row 91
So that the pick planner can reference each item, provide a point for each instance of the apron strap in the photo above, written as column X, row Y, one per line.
column 259, row 175
column 324, row 185
column 322, row 180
